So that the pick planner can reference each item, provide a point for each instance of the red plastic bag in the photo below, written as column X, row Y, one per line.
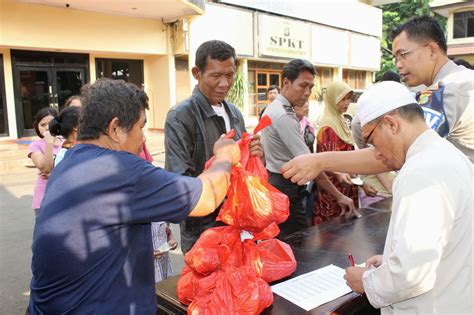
column 236, row 291
column 252, row 203
column 188, row 285
column 228, row 135
column 215, row 247
column 271, row 259
column 269, row 232
column 253, row 164
column 277, row 259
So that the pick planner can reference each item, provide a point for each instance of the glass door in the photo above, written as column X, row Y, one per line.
column 35, row 91
column 44, row 79
column 262, row 85
column 67, row 82
column 263, row 81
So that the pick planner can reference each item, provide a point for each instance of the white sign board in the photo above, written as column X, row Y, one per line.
column 284, row 38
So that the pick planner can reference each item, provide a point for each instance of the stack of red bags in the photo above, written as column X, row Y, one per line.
column 226, row 271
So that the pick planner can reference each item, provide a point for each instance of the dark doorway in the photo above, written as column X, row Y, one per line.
column 43, row 79
column 3, row 103
column 129, row 70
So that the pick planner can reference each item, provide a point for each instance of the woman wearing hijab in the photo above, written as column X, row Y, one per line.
column 335, row 135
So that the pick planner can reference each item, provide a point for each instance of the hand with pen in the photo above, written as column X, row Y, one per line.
column 354, row 274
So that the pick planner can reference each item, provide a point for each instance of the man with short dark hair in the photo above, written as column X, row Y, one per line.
column 272, row 93
column 283, row 140
column 92, row 246
column 194, row 125
column 427, row 262
column 420, row 55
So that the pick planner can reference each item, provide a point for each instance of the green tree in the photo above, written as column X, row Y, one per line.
column 236, row 91
column 394, row 14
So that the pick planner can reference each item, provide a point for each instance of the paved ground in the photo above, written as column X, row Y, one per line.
column 17, row 222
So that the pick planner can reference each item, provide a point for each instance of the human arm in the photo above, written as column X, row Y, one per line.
column 353, row 278
column 369, row 190
column 165, row 196
column 44, row 162
column 343, row 201
column 255, row 147
column 375, row 261
column 354, row 275
column 216, row 179
column 304, row 168
column 343, row 178
column 171, row 242
column 385, row 180
column 410, row 267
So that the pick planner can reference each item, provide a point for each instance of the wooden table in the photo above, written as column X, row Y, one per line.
column 317, row 247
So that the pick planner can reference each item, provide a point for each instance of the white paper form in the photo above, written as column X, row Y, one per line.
column 314, row 288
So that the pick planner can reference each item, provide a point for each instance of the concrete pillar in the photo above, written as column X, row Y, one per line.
column 160, row 85
column 243, row 67
column 193, row 46
column 9, row 94
column 337, row 76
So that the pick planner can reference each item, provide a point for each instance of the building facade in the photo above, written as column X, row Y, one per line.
column 49, row 49
column 460, row 27
column 341, row 40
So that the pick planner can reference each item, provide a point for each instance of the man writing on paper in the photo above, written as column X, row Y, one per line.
column 426, row 267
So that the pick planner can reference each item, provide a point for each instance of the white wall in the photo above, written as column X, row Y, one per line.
column 365, row 52
column 346, row 14
column 234, row 26
column 329, row 46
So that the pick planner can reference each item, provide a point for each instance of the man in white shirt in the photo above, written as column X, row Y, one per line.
column 426, row 267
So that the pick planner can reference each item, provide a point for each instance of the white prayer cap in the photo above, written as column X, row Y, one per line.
column 382, row 98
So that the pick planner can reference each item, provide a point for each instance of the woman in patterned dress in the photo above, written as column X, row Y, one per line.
column 335, row 135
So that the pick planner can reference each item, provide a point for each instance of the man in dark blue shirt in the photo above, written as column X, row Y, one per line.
column 92, row 248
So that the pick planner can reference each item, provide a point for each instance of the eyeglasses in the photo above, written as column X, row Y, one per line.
column 403, row 55
column 367, row 139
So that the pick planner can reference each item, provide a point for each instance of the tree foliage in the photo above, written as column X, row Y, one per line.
column 236, row 91
column 394, row 14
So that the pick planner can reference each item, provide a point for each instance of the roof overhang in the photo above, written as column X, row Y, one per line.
column 460, row 49
column 384, row 2
column 443, row 7
column 165, row 10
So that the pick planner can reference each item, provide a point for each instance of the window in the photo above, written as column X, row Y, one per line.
column 120, row 69
column 355, row 79
column 3, row 105
column 261, row 75
column 463, row 25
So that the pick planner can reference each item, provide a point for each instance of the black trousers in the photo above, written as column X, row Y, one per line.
column 192, row 228
column 297, row 196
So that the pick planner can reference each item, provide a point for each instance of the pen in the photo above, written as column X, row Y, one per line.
column 351, row 259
